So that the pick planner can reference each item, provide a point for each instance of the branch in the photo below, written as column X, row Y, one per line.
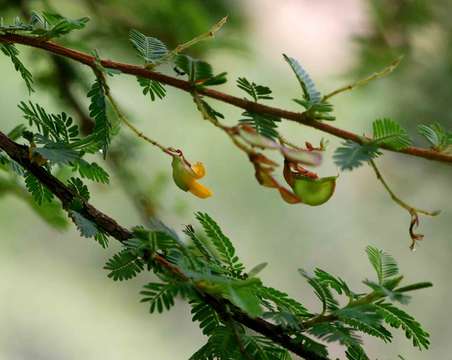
column 20, row 154
column 301, row 118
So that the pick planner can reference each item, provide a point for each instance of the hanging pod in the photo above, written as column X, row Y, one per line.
column 307, row 186
column 314, row 192
column 185, row 176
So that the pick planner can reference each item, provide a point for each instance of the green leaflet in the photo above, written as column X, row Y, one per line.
column 322, row 291
column 390, row 133
column 79, row 188
column 399, row 318
column 124, row 265
column 199, row 72
column 208, row 319
column 365, row 319
column 86, row 227
column 55, row 128
column 356, row 353
column 98, row 111
column 39, row 192
column 50, row 25
column 58, row 153
column 92, row 171
column 436, row 135
column 159, row 296
column 220, row 242
column 283, row 303
column 11, row 51
column 257, row 92
column 384, row 264
column 352, row 155
column 151, row 49
column 152, row 87
column 265, row 125
column 310, row 92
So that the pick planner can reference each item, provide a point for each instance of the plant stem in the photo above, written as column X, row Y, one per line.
column 301, row 118
column 397, row 200
column 386, row 71
column 182, row 47
column 135, row 130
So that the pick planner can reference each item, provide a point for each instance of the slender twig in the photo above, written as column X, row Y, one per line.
column 403, row 204
column 182, row 47
column 134, row 129
column 386, row 71
column 301, row 118
column 19, row 153
column 413, row 211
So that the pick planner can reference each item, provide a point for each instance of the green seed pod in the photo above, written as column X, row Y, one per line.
column 314, row 192
column 182, row 174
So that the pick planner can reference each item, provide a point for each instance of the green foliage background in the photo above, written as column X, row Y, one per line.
column 57, row 304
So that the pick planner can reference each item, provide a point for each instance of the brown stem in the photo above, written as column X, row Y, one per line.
column 20, row 154
column 301, row 118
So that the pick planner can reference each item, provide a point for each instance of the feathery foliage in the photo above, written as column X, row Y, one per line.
column 384, row 264
column 265, row 125
column 39, row 192
column 86, row 227
column 436, row 135
column 55, row 128
column 399, row 318
column 49, row 25
column 91, row 171
column 151, row 49
column 199, row 72
column 221, row 243
column 389, row 133
column 98, row 112
column 159, row 296
column 356, row 353
column 257, row 92
column 208, row 318
column 352, row 155
column 275, row 298
column 152, row 87
column 11, row 51
column 79, row 188
column 322, row 291
column 310, row 92
column 124, row 265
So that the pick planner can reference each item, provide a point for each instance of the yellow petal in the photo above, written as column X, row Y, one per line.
column 199, row 190
column 199, row 170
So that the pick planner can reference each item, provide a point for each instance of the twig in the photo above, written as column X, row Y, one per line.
column 413, row 211
column 386, row 71
column 182, row 47
column 301, row 118
column 134, row 129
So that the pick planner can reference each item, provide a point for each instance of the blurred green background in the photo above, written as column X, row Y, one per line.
column 56, row 301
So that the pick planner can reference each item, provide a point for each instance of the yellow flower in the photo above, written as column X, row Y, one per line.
column 185, row 176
